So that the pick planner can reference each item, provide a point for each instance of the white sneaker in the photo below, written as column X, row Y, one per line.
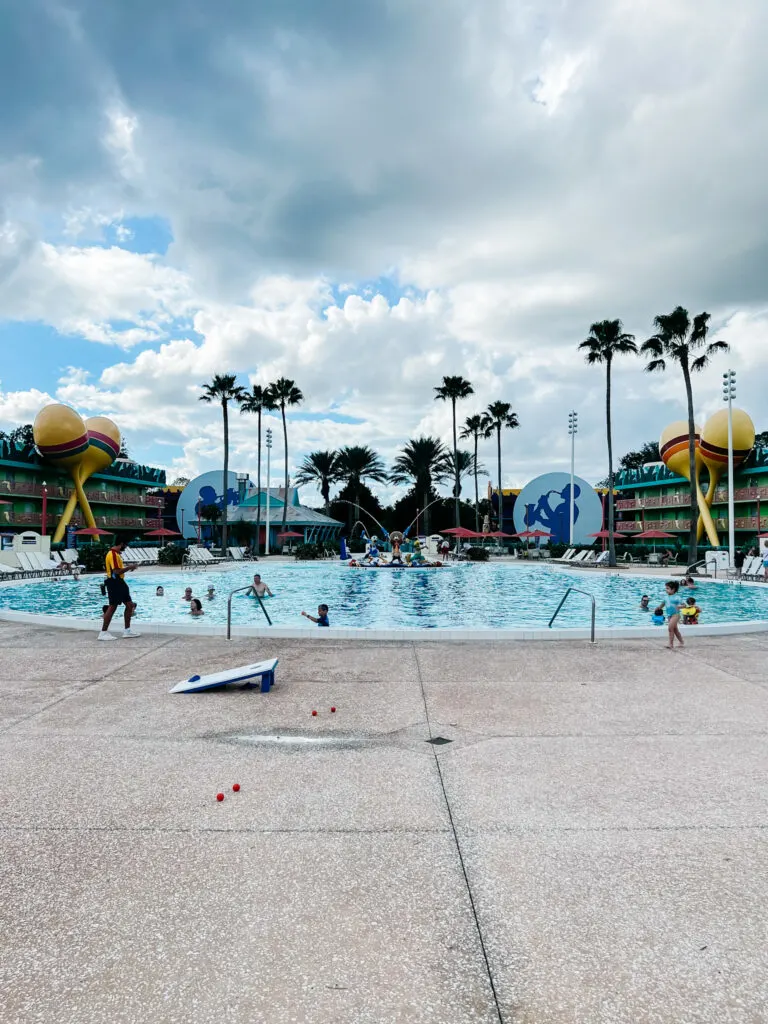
column 130, row 633
column 105, row 636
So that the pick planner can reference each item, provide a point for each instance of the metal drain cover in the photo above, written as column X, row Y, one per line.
column 438, row 741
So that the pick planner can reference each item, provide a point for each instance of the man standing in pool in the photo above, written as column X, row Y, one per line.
column 258, row 588
column 117, row 592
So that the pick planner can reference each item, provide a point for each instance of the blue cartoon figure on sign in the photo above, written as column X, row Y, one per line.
column 554, row 520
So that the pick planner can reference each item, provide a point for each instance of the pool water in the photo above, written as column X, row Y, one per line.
column 468, row 596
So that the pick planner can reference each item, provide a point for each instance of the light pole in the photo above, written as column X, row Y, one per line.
column 573, row 429
column 269, row 453
column 729, row 393
column 45, row 508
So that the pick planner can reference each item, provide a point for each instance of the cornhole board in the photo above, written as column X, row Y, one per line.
column 264, row 670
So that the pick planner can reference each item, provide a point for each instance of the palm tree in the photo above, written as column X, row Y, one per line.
column 256, row 402
column 496, row 417
column 279, row 394
column 679, row 339
column 452, row 389
column 321, row 468
column 607, row 340
column 224, row 389
column 357, row 463
column 423, row 462
column 473, row 427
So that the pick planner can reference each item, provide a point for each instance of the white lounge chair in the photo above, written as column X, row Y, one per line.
column 579, row 556
column 8, row 570
column 566, row 556
column 236, row 553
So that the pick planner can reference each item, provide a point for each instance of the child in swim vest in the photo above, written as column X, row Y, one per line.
column 690, row 612
column 658, row 616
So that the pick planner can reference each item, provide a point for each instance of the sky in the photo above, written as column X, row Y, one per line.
column 367, row 197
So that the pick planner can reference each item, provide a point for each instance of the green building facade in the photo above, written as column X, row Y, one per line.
column 654, row 498
column 118, row 497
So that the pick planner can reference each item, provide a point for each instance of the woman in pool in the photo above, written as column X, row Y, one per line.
column 196, row 607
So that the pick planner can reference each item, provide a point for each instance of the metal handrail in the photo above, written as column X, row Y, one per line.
column 586, row 593
column 229, row 608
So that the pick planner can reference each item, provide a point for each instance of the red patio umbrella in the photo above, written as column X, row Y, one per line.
column 605, row 534
column 654, row 535
column 92, row 531
column 290, row 533
column 499, row 533
column 532, row 533
column 463, row 532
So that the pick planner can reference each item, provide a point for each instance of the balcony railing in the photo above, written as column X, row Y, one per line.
column 105, row 522
column 27, row 489
column 684, row 499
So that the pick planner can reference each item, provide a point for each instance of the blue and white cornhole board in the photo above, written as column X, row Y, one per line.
column 264, row 670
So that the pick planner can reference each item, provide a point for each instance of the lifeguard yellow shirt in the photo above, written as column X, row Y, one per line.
column 113, row 561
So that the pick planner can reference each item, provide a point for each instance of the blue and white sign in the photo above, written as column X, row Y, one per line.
column 204, row 490
column 544, row 504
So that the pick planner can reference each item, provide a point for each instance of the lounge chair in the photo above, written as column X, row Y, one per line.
column 8, row 570
column 654, row 558
column 236, row 553
column 753, row 569
column 579, row 556
column 566, row 556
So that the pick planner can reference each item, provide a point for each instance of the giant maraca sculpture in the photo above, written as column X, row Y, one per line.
column 673, row 446
column 714, row 448
column 63, row 438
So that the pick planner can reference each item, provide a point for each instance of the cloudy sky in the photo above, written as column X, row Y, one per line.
column 366, row 196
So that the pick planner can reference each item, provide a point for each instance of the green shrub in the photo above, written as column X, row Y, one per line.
column 478, row 554
column 307, row 552
column 171, row 554
column 92, row 556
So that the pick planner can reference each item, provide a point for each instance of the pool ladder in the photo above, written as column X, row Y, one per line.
column 565, row 598
column 229, row 608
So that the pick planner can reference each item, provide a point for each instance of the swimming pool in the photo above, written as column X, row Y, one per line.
column 475, row 596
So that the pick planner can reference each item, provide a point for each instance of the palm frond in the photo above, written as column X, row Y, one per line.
column 656, row 365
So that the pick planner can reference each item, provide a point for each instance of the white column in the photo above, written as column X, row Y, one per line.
column 573, row 426
column 269, row 452
column 729, row 393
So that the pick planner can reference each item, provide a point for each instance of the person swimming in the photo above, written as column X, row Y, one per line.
column 644, row 603
column 690, row 612
column 258, row 588
column 196, row 607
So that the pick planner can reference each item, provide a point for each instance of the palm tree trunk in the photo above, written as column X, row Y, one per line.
column 225, row 488
column 477, row 496
column 258, row 489
column 426, row 512
column 693, row 534
column 498, row 460
column 611, row 539
column 457, row 510
column 326, row 490
column 285, row 449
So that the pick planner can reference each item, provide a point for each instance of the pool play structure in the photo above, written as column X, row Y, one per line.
column 463, row 601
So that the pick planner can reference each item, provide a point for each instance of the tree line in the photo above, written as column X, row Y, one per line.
column 423, row 461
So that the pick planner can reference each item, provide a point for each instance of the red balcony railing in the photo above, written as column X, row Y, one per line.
column 105, row 522
column 683, row 499
column 27, row 489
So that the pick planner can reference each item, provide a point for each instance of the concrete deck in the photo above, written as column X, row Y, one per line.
column 591, row 846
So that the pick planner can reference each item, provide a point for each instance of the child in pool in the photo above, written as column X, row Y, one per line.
column 690, row 612
column 658, row 616
column 322, row 615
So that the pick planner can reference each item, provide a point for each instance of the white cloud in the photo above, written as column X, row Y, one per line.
column 521, row 170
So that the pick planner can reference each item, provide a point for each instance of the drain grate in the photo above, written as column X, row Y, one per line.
column 438, row 741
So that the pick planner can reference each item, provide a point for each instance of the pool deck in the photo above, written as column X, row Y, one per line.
column 591, row 845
